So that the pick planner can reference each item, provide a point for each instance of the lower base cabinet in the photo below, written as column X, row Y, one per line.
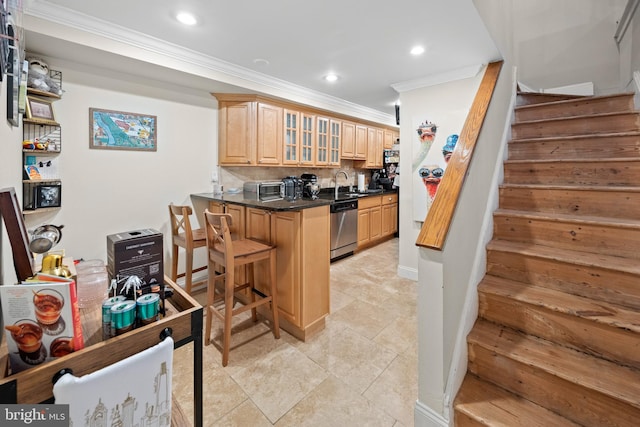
column 377, row 219
column 302, row 262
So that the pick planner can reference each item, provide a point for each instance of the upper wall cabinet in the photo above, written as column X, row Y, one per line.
column 260, row 131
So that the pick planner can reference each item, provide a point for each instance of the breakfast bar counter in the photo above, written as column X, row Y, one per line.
column 300, row 230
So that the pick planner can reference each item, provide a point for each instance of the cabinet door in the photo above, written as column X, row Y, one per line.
column 372, row 145
column 322, row 141
column 348, row 142
column 394, row 218
column 387, row 219
column 269, row 134
column 258, row 228
column 375, row 223
column 335, row 134
column 389, row 139
column 285, row 232
column 361, row 142
column 291, row 154
column 236, row 136
column 307, row 140
column 363, row 226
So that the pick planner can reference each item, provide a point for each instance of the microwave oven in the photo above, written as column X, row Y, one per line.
column 264, row 190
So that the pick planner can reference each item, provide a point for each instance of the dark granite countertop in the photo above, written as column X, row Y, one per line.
column 325, row 198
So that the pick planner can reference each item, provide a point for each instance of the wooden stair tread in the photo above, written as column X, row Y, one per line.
column 557, row 217
column 573, row 160
column 570, row 100
column 619, row 382
column 492, row 405
column 627, row 265
column 573, row 137
column 581, row 117
column 573, row 187
column 601, row 312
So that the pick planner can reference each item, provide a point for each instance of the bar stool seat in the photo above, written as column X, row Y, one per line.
column 222, row 251
column 183, row 236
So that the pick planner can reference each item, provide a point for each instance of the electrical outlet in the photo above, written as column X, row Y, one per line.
column 214, row 176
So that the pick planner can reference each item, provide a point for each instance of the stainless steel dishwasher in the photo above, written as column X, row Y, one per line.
column 344, row 228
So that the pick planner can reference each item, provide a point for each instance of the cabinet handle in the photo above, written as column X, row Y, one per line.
column 248, row 162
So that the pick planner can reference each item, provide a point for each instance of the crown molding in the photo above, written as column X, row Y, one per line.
column 45, row 10
column 436, row 79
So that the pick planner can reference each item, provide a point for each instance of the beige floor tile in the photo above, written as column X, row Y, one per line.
column 395, row 390
column 364, row 318
column 399, row 335
column 333, row 403
column 279, row 380
column 245, row 415
column 349, row 356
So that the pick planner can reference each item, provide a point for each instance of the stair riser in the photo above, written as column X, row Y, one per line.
column 622, row 173
column 584, row 406
column 579, row 107
column 597, row 283
column 540, row 98
column 591, row 147
column 594, row 338
column 462, row 420
column 624, row 122
column 574, row 202
column 584, row 237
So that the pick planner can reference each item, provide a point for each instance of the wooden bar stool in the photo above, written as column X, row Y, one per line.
column 231, row 254
column 182, row 235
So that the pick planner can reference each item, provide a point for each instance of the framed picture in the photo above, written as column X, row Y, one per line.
column 48, row 196
column 120, row 130
column 39, row 109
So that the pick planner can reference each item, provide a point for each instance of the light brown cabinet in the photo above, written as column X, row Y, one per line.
column 335, row 140
column 377, row 218
column 375, row 138
column 237, row 133
column 269, row 134
column 302, row 262
column 390, row 138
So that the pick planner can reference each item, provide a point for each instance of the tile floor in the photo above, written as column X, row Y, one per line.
column 360, row 370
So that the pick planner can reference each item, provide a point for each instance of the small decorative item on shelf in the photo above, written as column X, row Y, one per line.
column 39, row 77
column 40, row 109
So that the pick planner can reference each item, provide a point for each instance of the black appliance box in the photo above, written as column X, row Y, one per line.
column 136, row 253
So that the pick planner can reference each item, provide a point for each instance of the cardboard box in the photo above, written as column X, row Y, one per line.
column 136, row 253
column 41, row 320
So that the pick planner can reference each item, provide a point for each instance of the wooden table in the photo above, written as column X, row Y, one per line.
column 183, row 319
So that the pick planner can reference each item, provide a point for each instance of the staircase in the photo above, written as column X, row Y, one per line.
column 557, row 339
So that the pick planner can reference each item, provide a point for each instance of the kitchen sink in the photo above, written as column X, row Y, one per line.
column 355, row 194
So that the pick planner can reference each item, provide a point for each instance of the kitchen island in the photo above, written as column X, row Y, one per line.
column 300, row 231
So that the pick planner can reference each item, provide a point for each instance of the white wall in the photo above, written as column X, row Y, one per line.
column 110, row 191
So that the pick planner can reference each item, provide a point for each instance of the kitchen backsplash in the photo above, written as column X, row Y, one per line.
column 234, row 177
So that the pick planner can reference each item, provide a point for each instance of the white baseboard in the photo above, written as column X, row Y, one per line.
column 426, row 417
column 408, row 272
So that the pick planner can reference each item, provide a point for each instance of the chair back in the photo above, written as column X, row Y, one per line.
column 219, row 242
column 180, row 224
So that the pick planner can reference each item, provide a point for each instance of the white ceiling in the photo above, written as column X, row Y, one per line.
column 366, row 43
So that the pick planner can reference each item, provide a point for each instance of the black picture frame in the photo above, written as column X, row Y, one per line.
column 47, row 196
column 13, row 78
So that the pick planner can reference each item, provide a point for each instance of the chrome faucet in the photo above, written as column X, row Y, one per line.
column 338, row 173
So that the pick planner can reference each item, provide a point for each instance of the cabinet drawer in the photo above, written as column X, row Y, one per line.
column 368, row 202
column 389, row 199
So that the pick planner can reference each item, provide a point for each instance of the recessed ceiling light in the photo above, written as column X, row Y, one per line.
column 331, row 77
column 186, row 18
column 417, row 50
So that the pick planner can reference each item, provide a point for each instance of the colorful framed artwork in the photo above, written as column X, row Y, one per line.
column 118, row 130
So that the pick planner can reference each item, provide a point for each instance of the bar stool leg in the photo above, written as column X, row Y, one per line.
column 228, row 314
column 188, row 272
column 174, row 264
column 274, row 293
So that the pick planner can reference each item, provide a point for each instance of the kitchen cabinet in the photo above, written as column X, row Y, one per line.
column 389, row 214
column 237, row 132
column 335, row 135
column 389, row 139
column 302, row 261
column 377, row 219
column 269, row 134
column 259, row 131
column 322, row 141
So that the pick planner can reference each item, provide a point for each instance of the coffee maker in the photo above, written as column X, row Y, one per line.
column 310, row 187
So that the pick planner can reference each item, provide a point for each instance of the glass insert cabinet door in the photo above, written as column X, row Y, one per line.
column 334, row 146
column 291, row 123
column 306, row 140
column 322, row 141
